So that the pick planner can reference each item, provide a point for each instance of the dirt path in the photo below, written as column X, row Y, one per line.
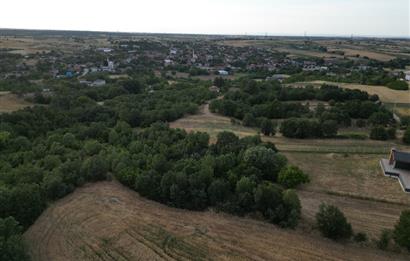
column 106, row 221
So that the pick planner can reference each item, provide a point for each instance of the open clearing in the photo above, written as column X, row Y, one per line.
column 106, row 221
column 385, row 94
column 10, row 102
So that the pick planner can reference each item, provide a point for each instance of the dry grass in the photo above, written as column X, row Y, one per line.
column 371, row 54
column 10, row 102
column 30, row 45
column 106, row 221
column 385, row 94
column 350, row 175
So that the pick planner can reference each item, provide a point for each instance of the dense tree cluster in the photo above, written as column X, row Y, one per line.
column 257, row 103
column 234, row 175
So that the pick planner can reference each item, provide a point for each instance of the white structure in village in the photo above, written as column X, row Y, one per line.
column 407, row 76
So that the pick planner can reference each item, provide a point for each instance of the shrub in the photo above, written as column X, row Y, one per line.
column 291, row 177
column 398, row 85
column 384, row 240
column 401, row 232
column 391, row 133
column 361, row 123
column 332, row 223
column 267, row 127
column 406, row 136
column 12, row 247
column 378, row 133
column 360, row 237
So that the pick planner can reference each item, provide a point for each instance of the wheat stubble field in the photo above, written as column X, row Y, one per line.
column 106, row 221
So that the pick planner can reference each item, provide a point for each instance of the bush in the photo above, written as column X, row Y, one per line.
column 406, row 136
column 378, row 133
column 360, row 237
column 398, row 85
column 291, row 177
column 12, row 247
column 391, row 133
column 384, row 240
column 332, row 223
column 401, row 232
column 267, row 127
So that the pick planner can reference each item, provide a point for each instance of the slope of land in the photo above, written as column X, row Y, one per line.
column 106, row 221
column 10, row 102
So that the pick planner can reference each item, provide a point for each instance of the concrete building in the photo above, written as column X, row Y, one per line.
column 398, row 166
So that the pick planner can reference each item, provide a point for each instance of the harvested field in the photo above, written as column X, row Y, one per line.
column 365, row 216
column 372, row 55
column 10, row 102
column 386, row 95
column 106, row 221
column 356, row 175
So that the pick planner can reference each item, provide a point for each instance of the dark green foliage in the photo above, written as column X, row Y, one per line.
column 380, row 118
column 398, row 85
column 332, row 223
column 329, row 128
column 302, row 128
column 292, row 176
column 384, row 240
column 12, row 247
column 406, row 136
column 360, row 237
column 378, row 133
column 401, row 233
column 267, row 127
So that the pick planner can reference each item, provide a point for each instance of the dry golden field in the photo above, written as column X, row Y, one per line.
column 10, row 102
column 106, row 221
column 30, row 45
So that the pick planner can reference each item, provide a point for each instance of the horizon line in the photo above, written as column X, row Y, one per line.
column 218, row 34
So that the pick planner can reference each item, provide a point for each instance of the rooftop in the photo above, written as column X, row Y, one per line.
column 402, row 175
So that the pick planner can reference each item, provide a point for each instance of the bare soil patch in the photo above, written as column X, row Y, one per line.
column 10, row 102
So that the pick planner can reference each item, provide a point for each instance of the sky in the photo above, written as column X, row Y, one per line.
column 238, row 17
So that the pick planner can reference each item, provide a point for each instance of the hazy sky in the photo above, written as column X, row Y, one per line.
column 275, row 17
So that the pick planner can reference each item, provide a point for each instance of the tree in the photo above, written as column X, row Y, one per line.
column 378, row 133
column 379, row 118
column 12, row 247
column 332, row 223
column 249, row 120
column 266, row 160
column 227, row 142
column 267, row 127
column 218, row 191
column 219, row 82
column 292, row 208
column 406, row 136
column 132, row 86
column 401, row 233
column 329, row 128
column 244, row 190
column 267, row 197
column 4, row 139
column 292, row 176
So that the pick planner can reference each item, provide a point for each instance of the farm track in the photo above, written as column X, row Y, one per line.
column 106, row 221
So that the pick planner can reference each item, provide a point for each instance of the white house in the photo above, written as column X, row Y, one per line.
column 407, row 76
column 223, row 72
column 98, row 83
